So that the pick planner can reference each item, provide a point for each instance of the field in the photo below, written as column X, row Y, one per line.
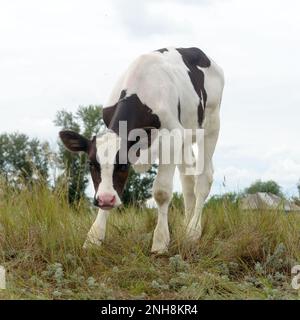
column 241, row 255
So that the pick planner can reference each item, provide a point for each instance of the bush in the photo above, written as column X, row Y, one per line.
column 265, row 186
column 229, row 198
column 177, row 201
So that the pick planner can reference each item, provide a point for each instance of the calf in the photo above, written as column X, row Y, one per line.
column 171, row 88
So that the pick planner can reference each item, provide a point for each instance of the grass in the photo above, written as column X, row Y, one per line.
column 241, row 255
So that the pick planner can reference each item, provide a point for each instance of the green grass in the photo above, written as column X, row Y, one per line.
column 241, row 255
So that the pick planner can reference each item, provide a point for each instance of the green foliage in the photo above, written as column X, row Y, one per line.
column 296, row 200
column 229, row 198
column 138, row 186
column 177, row 201
column 298, row 187
column 178, row 264
column 23, row 160
column 87, row 121
column 265, row 186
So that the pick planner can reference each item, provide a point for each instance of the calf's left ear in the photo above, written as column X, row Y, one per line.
column 74, row 141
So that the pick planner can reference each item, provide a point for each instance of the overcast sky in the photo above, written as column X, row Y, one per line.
column 62, row 54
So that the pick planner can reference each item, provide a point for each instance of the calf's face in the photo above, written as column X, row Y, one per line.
column 109, row 177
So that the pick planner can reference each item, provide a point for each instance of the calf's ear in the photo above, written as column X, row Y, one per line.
column 74, row 141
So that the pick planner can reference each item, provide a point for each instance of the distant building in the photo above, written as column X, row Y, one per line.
column 269, row 201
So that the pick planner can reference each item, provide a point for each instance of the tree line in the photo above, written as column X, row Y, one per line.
column 25, row 160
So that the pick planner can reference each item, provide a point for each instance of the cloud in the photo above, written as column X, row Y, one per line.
column 287, row 171
column 158, row 17
column 147, row 18
column 240, row 168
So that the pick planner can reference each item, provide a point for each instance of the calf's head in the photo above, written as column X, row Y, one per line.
column 108, row 174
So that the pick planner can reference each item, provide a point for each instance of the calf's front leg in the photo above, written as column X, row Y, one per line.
column 97, row 232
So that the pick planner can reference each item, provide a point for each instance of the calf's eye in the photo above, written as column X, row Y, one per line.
column 92, row 164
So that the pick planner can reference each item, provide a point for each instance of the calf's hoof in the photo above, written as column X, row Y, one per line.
column 91, row 243
column 159, row 250
column 193, row 234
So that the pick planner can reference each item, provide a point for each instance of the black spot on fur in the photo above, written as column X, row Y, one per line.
column 179, row 111
column 132, row 110
column 123, row 94
column 162, row 50
column 194, row 58
column 108, row 114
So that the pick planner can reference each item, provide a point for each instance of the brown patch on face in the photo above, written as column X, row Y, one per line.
column 120, row 176
column 95, row 168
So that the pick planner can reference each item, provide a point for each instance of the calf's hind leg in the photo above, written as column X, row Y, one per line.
column 203, row 181
column 187, row 182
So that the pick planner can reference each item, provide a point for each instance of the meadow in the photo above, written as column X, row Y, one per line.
column 241, row 255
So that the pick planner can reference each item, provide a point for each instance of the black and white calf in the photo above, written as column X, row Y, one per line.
column 171, row 88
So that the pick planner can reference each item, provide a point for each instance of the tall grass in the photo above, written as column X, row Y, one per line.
column 241, row 255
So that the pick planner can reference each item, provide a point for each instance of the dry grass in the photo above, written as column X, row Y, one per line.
column 241, row 255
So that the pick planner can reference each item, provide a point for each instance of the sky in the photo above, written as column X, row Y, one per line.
column 62, row 54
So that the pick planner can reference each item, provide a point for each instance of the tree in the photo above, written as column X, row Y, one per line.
column 23, row 160
column 265, row 186
column 298, row 187
column 138, row 186
column 87, row 121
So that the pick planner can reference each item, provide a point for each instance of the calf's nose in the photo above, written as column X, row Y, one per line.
column 106, row 200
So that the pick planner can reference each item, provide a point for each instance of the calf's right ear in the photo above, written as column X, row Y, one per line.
column 74, row 141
